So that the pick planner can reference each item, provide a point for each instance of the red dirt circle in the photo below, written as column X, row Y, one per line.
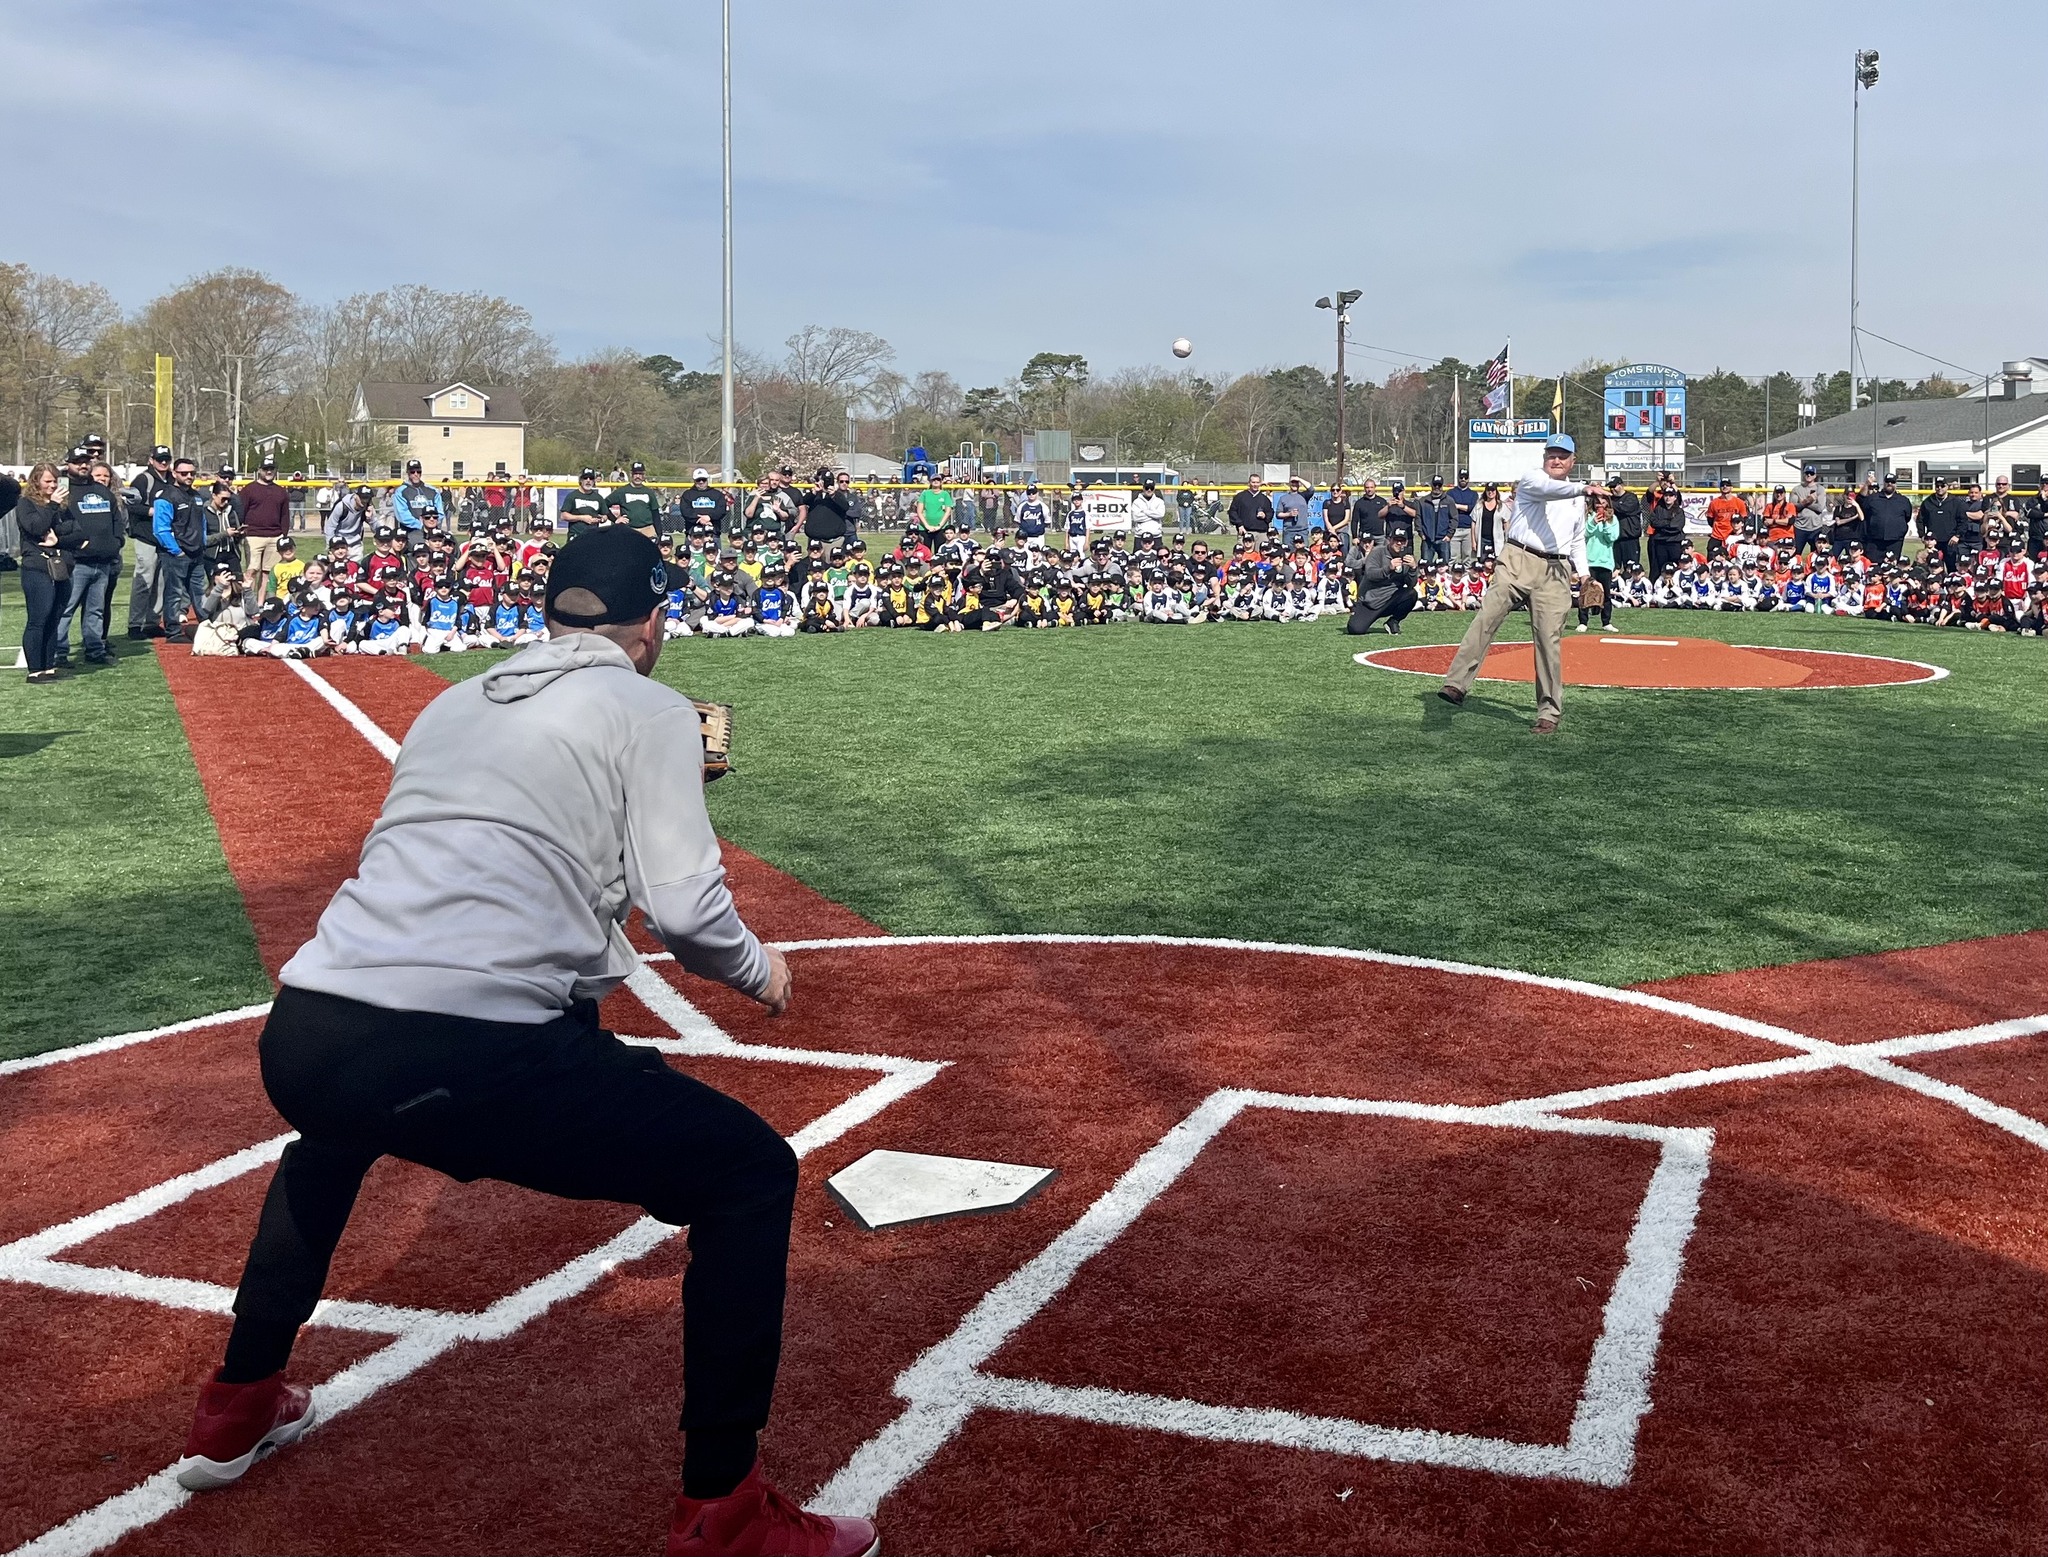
column 1671, row 664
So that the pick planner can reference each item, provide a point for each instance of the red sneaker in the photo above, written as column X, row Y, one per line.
column 754, row 1520
column 237, row 1424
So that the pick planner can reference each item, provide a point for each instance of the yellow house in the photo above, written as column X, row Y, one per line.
column 458, row 432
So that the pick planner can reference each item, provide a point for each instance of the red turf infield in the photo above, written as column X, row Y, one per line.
column 1853, row 1359
column 1655, row 663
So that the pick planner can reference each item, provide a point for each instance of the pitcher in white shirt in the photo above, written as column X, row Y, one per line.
column 1543, row 555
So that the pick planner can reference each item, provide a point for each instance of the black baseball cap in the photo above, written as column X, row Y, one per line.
column 412, row 464
column 588, row 474
column 161, row 452
column 638, row 467
column 620, row 566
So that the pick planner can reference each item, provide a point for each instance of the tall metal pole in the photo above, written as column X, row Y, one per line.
column 726, row 468
column 1857, row 77
column 1343, row 318
column 238, row 416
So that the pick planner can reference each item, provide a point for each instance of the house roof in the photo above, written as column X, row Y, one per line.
column 1899, row 424
column 408, row 402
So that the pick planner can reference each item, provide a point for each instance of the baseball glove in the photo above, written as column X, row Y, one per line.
column 717, row 721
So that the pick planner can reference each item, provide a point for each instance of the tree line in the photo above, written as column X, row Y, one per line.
column 72, row 361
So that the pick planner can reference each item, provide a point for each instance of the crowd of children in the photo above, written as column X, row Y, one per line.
column 428, row 592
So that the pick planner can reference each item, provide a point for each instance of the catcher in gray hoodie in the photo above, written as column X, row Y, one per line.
column 445, row 1012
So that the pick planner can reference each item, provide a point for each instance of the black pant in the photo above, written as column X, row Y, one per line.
column 44, row 598
column 1393, row 611
column 1628, row 550
column 1667, row 550
column 1605, row 578
column 562, row 1107
column 1883, row 551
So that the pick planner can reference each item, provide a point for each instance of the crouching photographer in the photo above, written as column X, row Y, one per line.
column 1384, row 575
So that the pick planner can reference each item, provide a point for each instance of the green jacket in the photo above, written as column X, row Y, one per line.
column 1601, row 535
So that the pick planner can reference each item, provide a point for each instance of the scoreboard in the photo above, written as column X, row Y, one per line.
column 1645, row 418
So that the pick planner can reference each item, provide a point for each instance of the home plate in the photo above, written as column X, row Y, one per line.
column 890, row 1189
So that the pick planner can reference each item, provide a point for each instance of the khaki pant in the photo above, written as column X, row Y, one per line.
column 1521, row 578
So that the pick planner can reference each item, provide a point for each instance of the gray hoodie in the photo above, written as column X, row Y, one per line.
column 529, row 809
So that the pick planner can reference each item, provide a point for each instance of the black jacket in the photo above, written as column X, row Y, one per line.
column 1628, row 514
column 1251, row 510
column 1941, row 518
column 101, row 516
column 48, row 533
column 1886, row 517
column 826, row 517
column 1668, row 518
column 143, row 492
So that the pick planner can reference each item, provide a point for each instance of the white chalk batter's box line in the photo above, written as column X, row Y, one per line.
column 947, row 1384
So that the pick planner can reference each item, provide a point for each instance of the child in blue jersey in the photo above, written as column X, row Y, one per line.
column 444, row 620
column 1820, row 591
column 675, row 616
column 533, row 618
column 299, row 632
column 503, row 630
column 775, row 607
column 726, row 615
column 385, row 631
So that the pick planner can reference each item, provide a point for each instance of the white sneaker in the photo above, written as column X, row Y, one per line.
column 1609, row 627
column 1580, row 628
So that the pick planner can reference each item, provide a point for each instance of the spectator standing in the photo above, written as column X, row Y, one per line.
column 1251, row 511
column 1399, row 514
column 858, row 514
column 2037, row 521
column 932, row 513
column 1810, row 518
column 1887, row 516
column 1726, row 513
column 966, row 510
column 583, row 508
column 414, row 500
column 1148, row 512
column 1970, row 533
column 266, row 519
column 1602, row 531
column 185, row 528
column 1464, row 521
column 145, row 582
column 637, row 504
column 1184, row 507
column 49, row 540
column 1491, row 526
column 1846, row 530
column 344, row 522
column 828, row 516
column 1665, row 525
column 1290, row 512
column 705, row 507
column 99, row 513
column 1779, row 514
column 1368, row 511
column 1627, row 510
column 1941, row 521
column 1435, row 519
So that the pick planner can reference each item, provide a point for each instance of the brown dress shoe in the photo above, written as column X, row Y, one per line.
column 1544, row 727
column 1450, row 695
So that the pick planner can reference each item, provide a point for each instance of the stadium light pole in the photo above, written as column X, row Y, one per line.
column 725, row 420
column 1865, row 78
column 1343, row 308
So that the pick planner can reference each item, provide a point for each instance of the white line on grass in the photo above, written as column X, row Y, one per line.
column 358, row 721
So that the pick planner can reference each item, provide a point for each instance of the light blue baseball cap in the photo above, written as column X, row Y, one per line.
column 1561, row 440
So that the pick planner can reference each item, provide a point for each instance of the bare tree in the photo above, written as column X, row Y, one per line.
column 606, row 403
column 829, row 368
column 47, row 326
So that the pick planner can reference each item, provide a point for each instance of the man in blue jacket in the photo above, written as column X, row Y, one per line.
column 181, row 526
column 1435, row 518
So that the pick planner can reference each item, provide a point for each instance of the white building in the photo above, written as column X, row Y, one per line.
column 1973, row 437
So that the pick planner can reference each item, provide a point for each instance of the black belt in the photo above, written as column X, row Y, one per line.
column 1537, row 551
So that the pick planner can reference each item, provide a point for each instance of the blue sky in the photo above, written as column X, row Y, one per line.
column 1662, row 183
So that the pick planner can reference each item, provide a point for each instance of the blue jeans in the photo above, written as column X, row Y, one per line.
column 1436, row 550
column 184, row 579
column 92, row 586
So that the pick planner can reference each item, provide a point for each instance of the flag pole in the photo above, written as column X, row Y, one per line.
column 1508, row 351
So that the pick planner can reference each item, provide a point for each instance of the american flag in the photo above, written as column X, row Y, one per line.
column 1497, row 384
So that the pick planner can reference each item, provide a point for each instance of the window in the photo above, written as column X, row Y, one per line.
column 397, row 471
column 447, row 432
column 455, row 471
column 405, row 435
column 499, row 468
column 459, row 401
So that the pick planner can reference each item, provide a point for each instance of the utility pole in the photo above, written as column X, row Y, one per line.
column 237, row 434
column 1343, row 308
column 726, row 468
column 1865, row 78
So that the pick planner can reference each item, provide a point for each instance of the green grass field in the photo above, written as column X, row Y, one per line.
column 1238, row 781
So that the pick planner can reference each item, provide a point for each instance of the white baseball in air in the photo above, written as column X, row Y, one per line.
column 1183, row 347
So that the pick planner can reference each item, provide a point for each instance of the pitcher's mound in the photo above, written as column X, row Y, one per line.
column 1667, row 664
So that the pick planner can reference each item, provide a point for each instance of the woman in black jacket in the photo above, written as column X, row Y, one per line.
column 826, row 509
column 49, row 540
